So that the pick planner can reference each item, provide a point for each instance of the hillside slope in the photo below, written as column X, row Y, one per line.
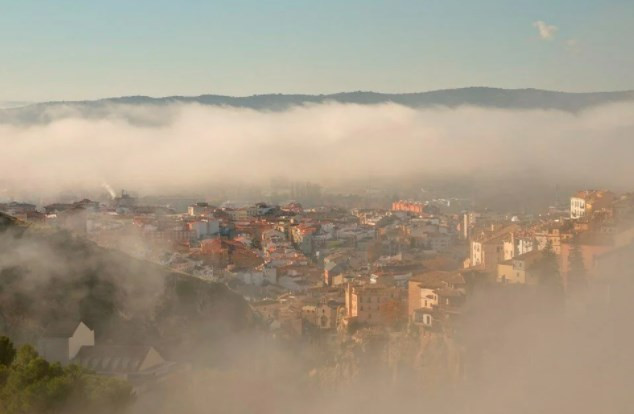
column 48, row 276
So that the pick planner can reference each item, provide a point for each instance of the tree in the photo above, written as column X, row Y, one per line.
column 31, row 384
column 577, row 276
column 7, row 351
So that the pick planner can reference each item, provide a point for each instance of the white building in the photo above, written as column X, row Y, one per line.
column 577, row 207
column 477, row 253
column 204, row 229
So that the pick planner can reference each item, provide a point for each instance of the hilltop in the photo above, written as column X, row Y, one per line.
column 473, row 96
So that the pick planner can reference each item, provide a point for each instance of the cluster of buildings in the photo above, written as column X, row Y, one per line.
column 597, row 223
column 330, row 272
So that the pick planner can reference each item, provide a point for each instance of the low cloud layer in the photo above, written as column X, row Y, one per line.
column 179, row 148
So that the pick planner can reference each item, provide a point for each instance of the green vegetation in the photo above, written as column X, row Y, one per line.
column 29, row 384
column 7, row 351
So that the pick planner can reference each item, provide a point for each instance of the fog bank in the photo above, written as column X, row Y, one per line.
column 185, row 147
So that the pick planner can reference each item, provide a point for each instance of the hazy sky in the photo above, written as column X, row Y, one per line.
column 67, row 49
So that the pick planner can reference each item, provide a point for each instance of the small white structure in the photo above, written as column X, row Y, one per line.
column 63, row 340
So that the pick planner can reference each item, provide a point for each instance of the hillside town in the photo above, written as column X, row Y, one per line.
column 337, row 278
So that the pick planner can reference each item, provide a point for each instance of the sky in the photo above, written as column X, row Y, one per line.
column 70, row 50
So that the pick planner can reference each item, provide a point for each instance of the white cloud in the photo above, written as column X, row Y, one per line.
column 546, row 31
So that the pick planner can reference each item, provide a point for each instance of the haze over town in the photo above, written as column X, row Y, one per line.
column 282, row 207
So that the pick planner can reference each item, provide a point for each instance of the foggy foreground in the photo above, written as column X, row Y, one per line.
column 259, row 308
column 515, row 348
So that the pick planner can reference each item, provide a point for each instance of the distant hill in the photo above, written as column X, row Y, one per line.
column 475, row 96
column 50, row 276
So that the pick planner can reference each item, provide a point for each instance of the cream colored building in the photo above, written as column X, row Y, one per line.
column 434, row 289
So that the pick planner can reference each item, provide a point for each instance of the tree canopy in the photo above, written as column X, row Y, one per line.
column 7, row 351
column 28, row 384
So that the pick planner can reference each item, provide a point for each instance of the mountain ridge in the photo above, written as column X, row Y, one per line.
column 466, row 93
column 412, row 98
column 484, row 97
